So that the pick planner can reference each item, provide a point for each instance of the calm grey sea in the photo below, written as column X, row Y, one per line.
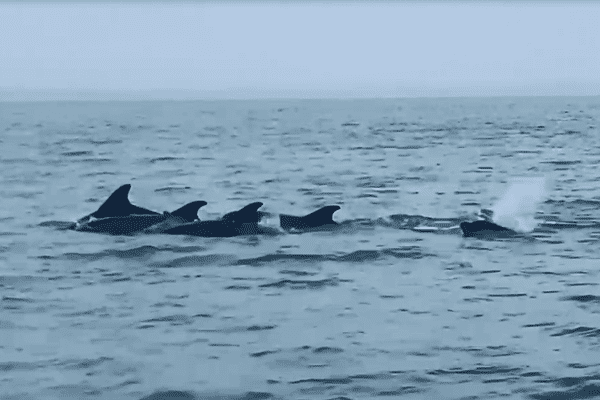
column 376, row 311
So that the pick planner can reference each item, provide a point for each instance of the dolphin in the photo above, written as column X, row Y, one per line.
column 117, row 205
column 236, row 223
column 483, row 229
column 317, row 220
column 134, row 223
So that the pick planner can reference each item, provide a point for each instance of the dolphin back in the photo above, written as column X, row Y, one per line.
column 485, row 229
column 204, row 229
column 121, row 225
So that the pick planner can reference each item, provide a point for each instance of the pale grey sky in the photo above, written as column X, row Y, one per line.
column 312, row 49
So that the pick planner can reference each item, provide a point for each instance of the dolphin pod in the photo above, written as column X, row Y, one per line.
column 125, row 225
column 236, row 223
column 117, row 216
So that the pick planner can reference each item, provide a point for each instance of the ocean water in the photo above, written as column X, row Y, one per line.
column 395, row 304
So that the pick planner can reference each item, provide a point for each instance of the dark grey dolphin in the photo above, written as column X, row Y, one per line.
column 486, row 228
column 483, row 229
column 135, row 223
column 236, row 223
column 317, row 220
column 117, row 205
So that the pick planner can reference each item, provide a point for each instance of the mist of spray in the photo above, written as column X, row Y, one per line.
column 516, row 208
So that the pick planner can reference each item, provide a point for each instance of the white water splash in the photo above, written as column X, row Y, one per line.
column 516, row 208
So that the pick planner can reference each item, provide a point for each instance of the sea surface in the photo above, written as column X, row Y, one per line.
column 397, row 304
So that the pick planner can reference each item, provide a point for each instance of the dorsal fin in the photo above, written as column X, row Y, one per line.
column 322, row 216
column 247, row 214
column 118, row 205
column 251, row 208
column 189, row 212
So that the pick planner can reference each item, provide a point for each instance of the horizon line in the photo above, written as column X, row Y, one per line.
column 30, row 95
column 83, row 99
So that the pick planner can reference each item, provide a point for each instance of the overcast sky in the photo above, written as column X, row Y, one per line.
column 314, row 49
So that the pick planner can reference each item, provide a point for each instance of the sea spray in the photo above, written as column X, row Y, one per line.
column 517, row 207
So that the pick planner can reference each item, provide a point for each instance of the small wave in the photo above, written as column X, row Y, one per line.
column 320, row 383
column 304, row 284
column 83, row 140
column 237, row 329
column 283, row 257
column 18, row 366
column 405, row 252
column 137, row 252
column 567, row 225
column 589, row 391
column 584, row 202
column 67, row 364
column 17, row 300
column 580, row 330
column 400, row 391
column 82, row 363
column 196, row 261
column 539, row 325
column 587, row 298
column 507, row 294
column 561, row 162
column 97, row 160
column 77, row 153
column 582, row 284
column 327, row 350
column 297, row 273
column 12, row 280
column 264, row 353
column 178, row 319
column 238, row 287
column 17, row 161
column 410, row 252
column 166, row 158
column 59, row 225
column 105, row 141
column 172, row 189
column 326, row 381
column 99, row 173
column 491, row 370
column 90, row 312
column 360, row 256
